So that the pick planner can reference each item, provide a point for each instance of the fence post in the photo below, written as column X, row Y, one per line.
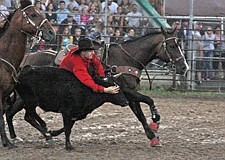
column 190, row 51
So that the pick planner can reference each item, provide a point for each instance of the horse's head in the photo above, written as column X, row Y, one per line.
column 171, row 52
column 34, row 22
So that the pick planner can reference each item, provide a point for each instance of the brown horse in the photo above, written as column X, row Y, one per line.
column 129, row 58
column 25, row 21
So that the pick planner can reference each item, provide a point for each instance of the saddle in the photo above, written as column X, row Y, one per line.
column 63, row 53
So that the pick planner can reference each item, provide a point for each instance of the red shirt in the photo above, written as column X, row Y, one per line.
column 76, row 64
column 84, row 18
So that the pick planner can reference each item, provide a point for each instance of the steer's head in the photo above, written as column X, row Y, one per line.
column 117, row 99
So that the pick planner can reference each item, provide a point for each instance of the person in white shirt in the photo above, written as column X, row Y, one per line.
column 207, row 45
column 3, row 13
column 7, row 3
column 112, row 6
column 73, row 2
column 134, row 17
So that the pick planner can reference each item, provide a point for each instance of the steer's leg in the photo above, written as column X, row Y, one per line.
column 56, row 132
column 68, row 124
column 18, row 106
column 30, row 116
column 41, row 121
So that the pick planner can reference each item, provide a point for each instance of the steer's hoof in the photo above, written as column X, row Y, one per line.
column 69, row 148
column 155, row 143
column 154, row 126
column 9, row 145
column 48, row 143
column 16, row 140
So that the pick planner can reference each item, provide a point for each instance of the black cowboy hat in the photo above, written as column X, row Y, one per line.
column 85, row 44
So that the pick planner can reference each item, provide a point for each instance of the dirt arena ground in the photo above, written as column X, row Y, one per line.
column 192, row 128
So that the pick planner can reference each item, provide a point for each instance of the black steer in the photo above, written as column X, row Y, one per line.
column 57, row 90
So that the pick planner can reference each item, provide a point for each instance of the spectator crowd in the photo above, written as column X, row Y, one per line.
column 208, row 48
column 74, row 19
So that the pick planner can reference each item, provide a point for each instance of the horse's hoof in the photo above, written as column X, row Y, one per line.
column 154, row 127
column 16, row 140
column 155, row 143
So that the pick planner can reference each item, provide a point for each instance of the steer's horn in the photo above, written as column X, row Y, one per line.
column 117, row 75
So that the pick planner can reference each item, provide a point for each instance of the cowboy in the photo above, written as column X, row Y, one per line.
column 80, row 59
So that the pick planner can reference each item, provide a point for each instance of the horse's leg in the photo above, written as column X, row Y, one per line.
column 5, row 140
column 136, row 108
column 133, row 95
column 30, row 118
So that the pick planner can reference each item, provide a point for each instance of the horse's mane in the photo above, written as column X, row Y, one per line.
column 7, row 24
column 155, row 32
column 142, row 37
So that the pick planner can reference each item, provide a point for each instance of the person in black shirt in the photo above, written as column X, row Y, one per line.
column 51, row 17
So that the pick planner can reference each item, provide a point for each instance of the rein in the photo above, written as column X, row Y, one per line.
column 127, row 69
column 11, row 66
column 150, row 82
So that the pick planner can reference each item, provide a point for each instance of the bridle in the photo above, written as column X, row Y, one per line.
column 171, row 60
column 29, row 21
